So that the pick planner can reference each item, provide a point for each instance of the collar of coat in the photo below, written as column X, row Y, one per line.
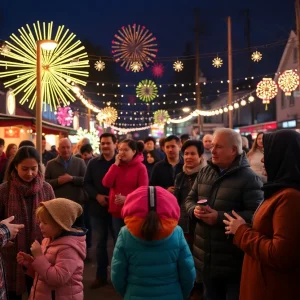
column 240, row 161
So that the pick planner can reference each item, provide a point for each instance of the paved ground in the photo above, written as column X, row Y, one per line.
column 106, row 292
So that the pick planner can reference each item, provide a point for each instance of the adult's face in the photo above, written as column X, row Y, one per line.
column 13, row 150
column 259, row 141
column 107, row 146
column 27, row 169
column 150, row 158
column 191, row 157
column 223, row 153
column 126, row 153
column 65, row 149
column 149, row 146
column 207, row 141
column 172, row 149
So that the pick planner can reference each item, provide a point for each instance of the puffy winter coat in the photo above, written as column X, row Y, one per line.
column 124, row 179
column 59, row 272
column 161, row 269
column 239, row 189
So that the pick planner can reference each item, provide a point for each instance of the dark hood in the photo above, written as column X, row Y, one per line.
column 282, row 161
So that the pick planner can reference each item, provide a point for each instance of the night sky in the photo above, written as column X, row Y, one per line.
column 172, row 22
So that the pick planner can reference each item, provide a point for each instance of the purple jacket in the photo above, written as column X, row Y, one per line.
column 59, row 271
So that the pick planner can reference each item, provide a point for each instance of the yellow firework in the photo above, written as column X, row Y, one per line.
column 217, row 62
column 60, row 67
column 256, row 56
column 178, row 66
column 108, row 115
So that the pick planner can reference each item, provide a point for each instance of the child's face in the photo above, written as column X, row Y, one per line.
column 49, row 230
column 86, row 155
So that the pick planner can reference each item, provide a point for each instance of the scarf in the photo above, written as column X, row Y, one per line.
column 24, row 199
column 196, row 169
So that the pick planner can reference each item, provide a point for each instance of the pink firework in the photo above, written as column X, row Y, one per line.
column 157, row 70
column 64, row 116
column 134, row 43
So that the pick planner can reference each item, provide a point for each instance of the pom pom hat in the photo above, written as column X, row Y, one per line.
column 63, row 211
column 136, row 209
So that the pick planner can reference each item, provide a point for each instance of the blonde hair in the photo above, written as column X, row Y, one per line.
column 44, row 216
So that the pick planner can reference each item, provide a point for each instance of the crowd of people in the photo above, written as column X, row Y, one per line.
column 190, row 219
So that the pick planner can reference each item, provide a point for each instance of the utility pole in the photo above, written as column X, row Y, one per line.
column 197, row 68
column 297, row 9
column 230, row 83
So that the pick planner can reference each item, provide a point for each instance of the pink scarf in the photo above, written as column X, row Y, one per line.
column 24, row 199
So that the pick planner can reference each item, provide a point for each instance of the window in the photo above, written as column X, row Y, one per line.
column 292, row 99
column 282, row 99
column 295, row 55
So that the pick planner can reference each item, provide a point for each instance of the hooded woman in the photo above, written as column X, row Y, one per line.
column 151, row 258
column 271, row 268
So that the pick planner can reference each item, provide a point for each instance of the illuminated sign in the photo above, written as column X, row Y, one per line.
column 10, row 103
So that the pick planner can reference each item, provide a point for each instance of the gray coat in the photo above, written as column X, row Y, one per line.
column 71, row 190
column 239, row 189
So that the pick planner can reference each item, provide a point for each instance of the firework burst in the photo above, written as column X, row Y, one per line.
column 146, row 90
column 134, row 44
column 60, row 67
column 157, row 70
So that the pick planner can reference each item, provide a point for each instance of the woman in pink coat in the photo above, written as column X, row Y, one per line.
column 126, row 175
column 57, row 265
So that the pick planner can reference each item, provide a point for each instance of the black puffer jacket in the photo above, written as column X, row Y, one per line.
column 239, row 189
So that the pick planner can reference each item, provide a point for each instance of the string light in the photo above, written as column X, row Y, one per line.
column 288, row 81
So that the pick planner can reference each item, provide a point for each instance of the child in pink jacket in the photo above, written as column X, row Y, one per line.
column 57, row 265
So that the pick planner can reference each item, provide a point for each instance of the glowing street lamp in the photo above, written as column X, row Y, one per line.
column 48, row 45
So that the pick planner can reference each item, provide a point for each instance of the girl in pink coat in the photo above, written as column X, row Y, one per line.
column 57, row 265
column 126, row 175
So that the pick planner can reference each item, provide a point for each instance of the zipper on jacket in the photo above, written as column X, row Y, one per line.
column 37, row 278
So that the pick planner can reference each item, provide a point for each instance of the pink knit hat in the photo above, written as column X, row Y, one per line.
column 137, row 204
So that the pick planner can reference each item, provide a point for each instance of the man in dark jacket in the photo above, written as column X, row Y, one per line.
column 98, row 201
column 165, row 171
column 227, row 183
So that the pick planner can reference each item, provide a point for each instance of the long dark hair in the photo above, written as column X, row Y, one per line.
column 134, row 146
column 22, row 154
column 151, row 226
column 254, row 146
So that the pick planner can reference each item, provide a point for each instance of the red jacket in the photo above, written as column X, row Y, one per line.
column 124, row 179
column 271, row 269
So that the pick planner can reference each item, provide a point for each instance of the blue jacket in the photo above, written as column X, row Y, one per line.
column 162, row 269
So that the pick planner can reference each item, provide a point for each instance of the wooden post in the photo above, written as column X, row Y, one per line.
column 230, row 83
column 38, row 104
column 197, row 68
